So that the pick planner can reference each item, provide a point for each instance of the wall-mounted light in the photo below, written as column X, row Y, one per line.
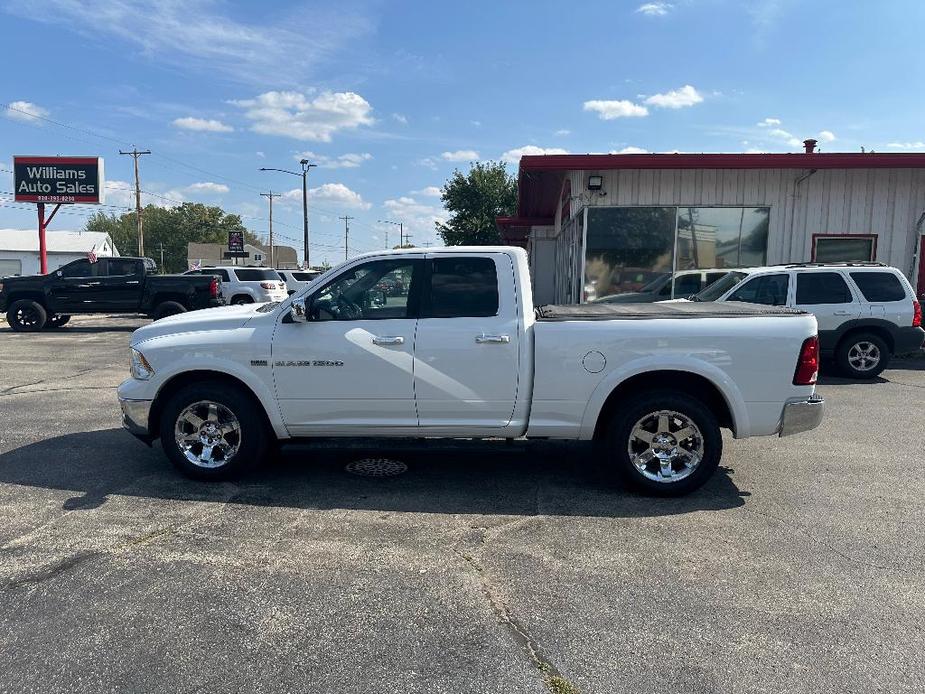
column 595, row 182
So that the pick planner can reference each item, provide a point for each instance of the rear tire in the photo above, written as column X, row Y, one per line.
column 168, row 308
column 666, row 443
column 213, row 431
column 241, row 299
column 57, row 321
column 862, row 355
column 26, row 316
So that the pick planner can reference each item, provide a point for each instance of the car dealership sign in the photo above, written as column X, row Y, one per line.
column 58, row 179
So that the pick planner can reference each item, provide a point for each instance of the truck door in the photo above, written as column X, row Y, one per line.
column 75, row 288
column 121, row 284
column 466, row 362
column 350, row 368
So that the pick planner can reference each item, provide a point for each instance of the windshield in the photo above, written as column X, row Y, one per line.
column 720, row 287
column 257, row 274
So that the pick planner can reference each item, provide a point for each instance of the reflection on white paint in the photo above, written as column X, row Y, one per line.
column 405, row 361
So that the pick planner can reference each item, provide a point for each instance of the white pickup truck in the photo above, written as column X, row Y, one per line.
column 447, row 343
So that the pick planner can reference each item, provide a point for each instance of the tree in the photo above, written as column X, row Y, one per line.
column 474, row 201
column 174, row 227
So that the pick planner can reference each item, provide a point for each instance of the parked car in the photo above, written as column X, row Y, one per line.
column 246, row 285
column 686, row 283
column 464, row 354
column 867, row 312
column 109, row 285
column 297, row 279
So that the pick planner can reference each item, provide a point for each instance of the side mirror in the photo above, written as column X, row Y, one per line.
column 298, row 311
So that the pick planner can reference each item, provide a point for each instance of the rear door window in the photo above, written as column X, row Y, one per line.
column 116, row 267
column 221, row 274
column 461, row 287
column 879, row 286
column 814, row 288
column 257, row 275
column 770, row 290
column 685, row 285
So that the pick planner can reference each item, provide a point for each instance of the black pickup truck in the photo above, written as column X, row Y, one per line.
column 109, row 285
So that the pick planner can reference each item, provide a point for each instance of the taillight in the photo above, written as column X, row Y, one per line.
column 213, row 288
column 808, row 363
column 267, row 285
column 916, row 314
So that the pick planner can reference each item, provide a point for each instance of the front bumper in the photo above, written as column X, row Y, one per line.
column 802, row 416
column 135, row 416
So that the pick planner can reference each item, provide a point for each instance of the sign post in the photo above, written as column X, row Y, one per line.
column 58, row 180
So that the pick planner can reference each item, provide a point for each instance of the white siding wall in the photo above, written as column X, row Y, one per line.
column 886, row 202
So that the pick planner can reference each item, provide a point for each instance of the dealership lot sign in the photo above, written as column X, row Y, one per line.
column 58, row 179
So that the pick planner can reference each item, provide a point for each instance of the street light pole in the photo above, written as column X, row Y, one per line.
column 306, row 167
column 401, row 231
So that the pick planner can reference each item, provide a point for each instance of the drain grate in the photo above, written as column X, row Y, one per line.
column 376, row 467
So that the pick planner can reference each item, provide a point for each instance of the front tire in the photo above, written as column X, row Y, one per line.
column 666, row 443
column 213, row 431
column 862, row 355
column 26, row 316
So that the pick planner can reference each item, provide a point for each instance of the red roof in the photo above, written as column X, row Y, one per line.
column 540, row 177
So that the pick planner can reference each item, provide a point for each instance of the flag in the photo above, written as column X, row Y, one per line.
column 91, row 256
column 197, row 265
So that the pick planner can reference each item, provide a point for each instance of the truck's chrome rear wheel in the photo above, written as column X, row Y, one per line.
column 208, row 434
column 665, row 446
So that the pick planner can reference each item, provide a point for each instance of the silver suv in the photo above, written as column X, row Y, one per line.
column 867, row 312
column 247, row 285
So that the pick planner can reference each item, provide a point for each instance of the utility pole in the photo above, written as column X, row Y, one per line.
column 161, row 249
column 306, row 166
column 138, row 223
column 346, row 232
column 269, row 196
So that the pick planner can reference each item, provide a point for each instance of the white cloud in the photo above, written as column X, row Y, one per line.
column 676, row 98
column 476, row 123
column 261, row 155
column 207, row 187
column 630, row 150
column 460, row 155
column 562, row 132
column 419, row 218
column 826, row 136
column 26, row 111
column 399, row 118
column 297, row 115
column 429, row 191
column 907, row 145
column 608, row 110
column 334, row 193
column 655, row 9
column 755, row 150
column 202, row 125
column 512, row 156
column 769, row 122
column 204, row 35
column 787, row 137
column 341, row 161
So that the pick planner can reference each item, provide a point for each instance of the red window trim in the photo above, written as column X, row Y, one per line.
column 871, row 237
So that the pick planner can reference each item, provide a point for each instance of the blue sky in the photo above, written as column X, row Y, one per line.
column 390, row 97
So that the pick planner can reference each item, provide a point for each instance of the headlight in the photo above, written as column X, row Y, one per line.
column 141, row 369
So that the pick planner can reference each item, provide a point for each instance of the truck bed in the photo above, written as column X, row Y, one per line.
column 653, row 311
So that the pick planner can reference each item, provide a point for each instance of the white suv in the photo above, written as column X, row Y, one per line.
column 297, row 279
column 247, row 285
column 866, row 312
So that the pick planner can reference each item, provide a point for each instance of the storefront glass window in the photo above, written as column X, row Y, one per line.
column 722, row 237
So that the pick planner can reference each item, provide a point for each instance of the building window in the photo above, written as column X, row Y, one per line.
column 636, row 250
column 858, row 248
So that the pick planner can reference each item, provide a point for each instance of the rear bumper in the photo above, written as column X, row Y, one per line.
column 908, row 340
column 135, row 416
column 802, row 416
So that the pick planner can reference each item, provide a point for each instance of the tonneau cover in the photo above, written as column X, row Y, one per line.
column 653, row 311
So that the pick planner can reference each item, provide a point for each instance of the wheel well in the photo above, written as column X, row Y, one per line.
column 31, row 296
column 186, row 378
column 680, row 381
column 882, row 333
column 241, row 295
column 161, row 298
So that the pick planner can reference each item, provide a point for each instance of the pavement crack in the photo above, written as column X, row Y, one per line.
column 49, row 572
column 555, row 682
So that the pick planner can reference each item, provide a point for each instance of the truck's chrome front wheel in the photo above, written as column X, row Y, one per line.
column 208, row 434
column 665, row 446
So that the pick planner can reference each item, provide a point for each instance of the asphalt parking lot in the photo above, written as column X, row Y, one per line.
column 798, row 568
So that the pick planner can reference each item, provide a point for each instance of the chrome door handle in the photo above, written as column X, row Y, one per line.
column 484, row 339
column 132, row 282
column 841, row 313
column 382, row 341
